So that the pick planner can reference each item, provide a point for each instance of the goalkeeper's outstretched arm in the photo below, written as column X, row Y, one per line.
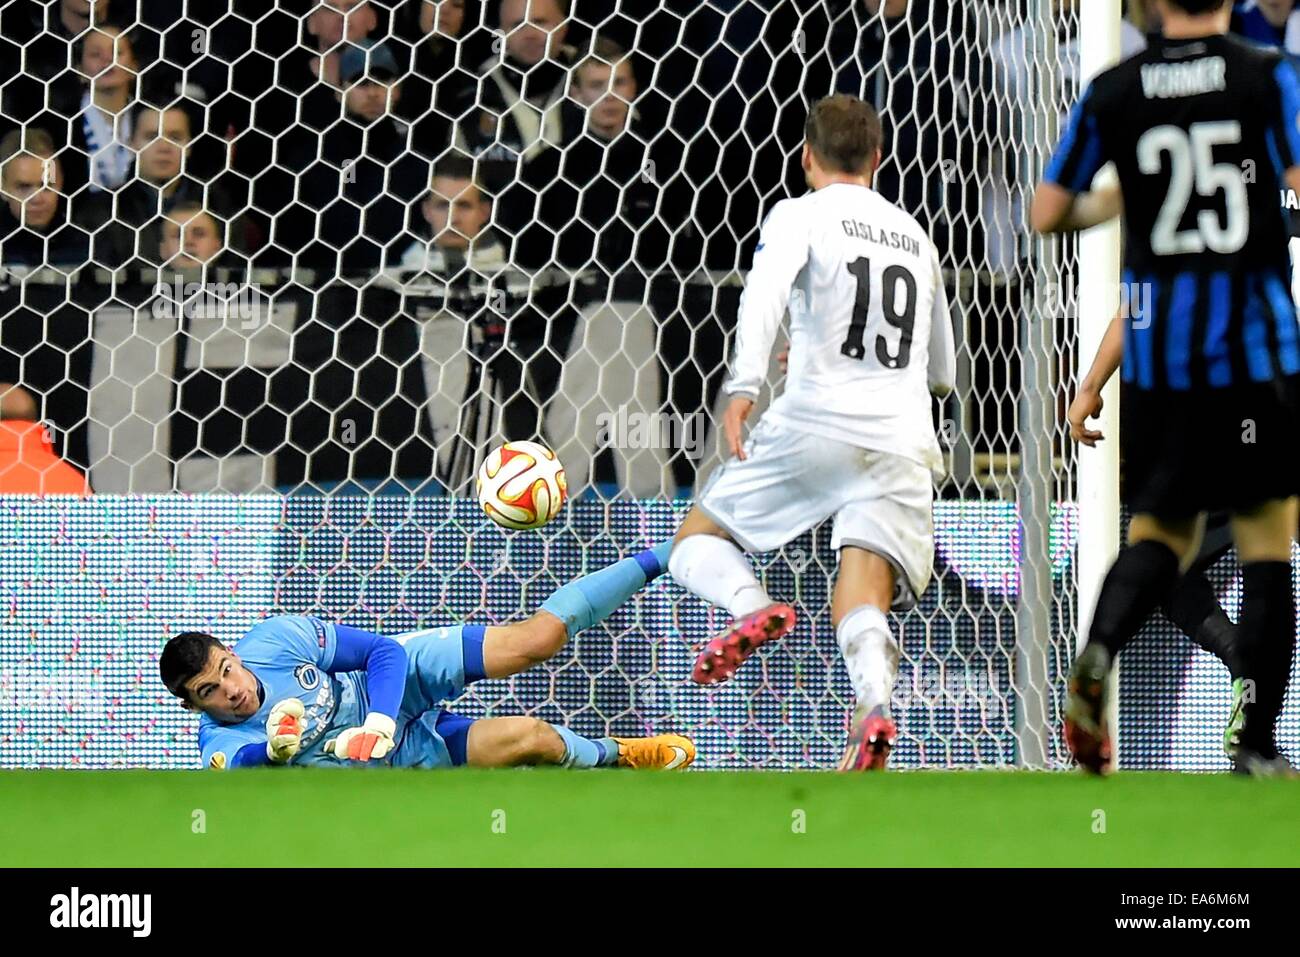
column 384, row 662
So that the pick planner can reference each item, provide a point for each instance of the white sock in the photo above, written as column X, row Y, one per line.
column 871, row 654
column 717, row 571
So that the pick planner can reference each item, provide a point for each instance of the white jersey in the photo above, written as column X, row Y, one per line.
column 870, row 333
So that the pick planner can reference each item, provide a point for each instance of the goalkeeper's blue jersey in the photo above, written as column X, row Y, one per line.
column 290, row 655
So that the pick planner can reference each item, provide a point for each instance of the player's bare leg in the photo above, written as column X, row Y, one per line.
column 1158, row 551
column 586, row 601
column 511, row 742
column 706, row 562
column 514, row 648
column 516, row 741
column 864, row 592
column 510, row 649
column 1267, row 623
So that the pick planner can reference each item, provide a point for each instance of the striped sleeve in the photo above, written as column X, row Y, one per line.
column 1079, row 155
column 1285, row 128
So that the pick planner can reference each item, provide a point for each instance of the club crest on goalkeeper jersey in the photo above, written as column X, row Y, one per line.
column 870, row 332
column 290, row 654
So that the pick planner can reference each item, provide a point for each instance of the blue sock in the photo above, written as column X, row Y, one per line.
column 580, row 752
column 593, row 598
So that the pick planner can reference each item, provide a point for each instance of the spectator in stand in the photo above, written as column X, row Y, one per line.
column 75, row 16
column 161, row 141
column 514, row 111
column 1013, row 59
column 596, row 197
column 916, row 63
column 35, row 228
column 28, row 465
column 460, row 255
column 1274, row 23
column 102, row 128
column 47, row 33
column 281, row 134
column 359, row 175
column 436, row 84
column 191, row 237
column 334, row 25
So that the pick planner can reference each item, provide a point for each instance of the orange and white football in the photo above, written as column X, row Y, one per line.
column 521, row 485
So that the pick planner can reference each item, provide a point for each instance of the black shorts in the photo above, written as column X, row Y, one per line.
column 1210, row 450
column 1215, row 543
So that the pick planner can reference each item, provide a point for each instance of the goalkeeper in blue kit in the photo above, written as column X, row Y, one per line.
column 302, row 691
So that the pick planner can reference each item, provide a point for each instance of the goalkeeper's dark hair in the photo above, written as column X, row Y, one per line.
column 183, row 657
column 844, row 132
column 1198, row 6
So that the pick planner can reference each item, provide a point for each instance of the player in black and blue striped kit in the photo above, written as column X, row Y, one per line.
column 1204, row 132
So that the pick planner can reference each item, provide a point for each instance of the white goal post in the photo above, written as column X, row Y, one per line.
column 1099, row 277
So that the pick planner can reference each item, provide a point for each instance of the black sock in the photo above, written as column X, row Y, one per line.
column 1267, row 626
column 1193, row 607
column 1140, row 580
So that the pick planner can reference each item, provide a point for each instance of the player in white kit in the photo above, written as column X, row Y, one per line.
column 851, row 436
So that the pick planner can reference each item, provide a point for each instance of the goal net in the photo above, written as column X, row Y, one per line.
column 275, row 277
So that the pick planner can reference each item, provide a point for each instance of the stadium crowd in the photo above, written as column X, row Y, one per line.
column 444, row 205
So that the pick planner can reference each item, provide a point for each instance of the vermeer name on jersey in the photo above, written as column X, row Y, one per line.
column 860, row 230
column 1161, row 81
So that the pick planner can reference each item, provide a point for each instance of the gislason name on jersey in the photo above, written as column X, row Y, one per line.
column 894, row 240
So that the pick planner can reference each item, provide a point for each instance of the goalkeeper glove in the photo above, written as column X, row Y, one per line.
column 284, row 730
column 374, row 739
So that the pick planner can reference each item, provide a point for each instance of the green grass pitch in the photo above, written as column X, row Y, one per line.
column 615, row 818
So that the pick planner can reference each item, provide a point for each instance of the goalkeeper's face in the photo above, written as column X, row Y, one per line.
column 224, row 690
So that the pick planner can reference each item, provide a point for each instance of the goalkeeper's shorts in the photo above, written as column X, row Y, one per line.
column 791, row 480
column 440, row 664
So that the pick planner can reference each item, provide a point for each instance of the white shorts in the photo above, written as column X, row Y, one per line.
column 790, row 481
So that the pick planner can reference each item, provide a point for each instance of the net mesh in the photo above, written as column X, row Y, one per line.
column 322, row 256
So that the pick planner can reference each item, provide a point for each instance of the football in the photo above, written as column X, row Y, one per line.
column 521, row 485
